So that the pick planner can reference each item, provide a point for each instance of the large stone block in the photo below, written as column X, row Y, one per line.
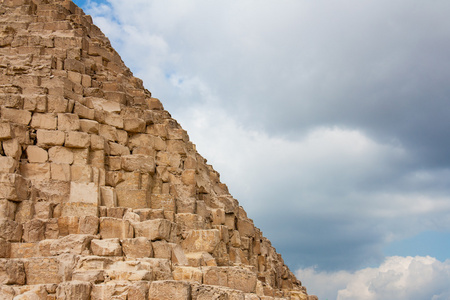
column 137, row 248
column 44, row 121
column 153, row 229
column 115, row 228
column 10, row 230
column 5, row 248
column 36, row 154
column 134, row 125
column 60, row 155
column 46, row 138
column 5, row 131
column 132, row 198
column 77, row 139
column 16, row 115
column 83, row 192
column 188, row 274
column 138, row 162
column 12, row 271
column 242, row 279
column 8, row 164
column 68, row 122
column 14, row 187
column 72, row 244
column 43, row 270
column 74, row 290
column 163, row 201
column 106, row 247
column 168, row 290
column 201, row 240
column 34, row 231
column 245, row 227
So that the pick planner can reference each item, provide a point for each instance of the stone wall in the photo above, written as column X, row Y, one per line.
column 102, row 195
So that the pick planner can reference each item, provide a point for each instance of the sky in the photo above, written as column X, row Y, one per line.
column 328, row 121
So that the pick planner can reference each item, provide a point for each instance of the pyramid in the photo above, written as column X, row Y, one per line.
column 102, row 195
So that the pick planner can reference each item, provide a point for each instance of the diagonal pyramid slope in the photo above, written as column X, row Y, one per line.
column 102, row 195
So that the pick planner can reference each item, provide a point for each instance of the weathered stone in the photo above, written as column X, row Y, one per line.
column 115, row 228
column 16, row 115
column 12, row 272
column 72, row 243
column 43, row 270
column 106, row 247
column 162, row 290
column 138, row 162
column 153, row 229
column 68, row 122
column 33, row 231
column 36, row 154
column 137, row 248
column 74, row 290
column 47, row 138
column 60, row 155
column 76, row 139
column 10, row 230
column 188, row 274
column 8, row 164
column 5, row 131
column 201, row 240
column 132, row 198
column 12, row 148
column 134, row 125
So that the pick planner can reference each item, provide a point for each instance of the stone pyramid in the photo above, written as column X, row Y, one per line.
column 102, row 195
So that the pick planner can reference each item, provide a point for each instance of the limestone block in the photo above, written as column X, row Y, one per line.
column 245, row 227
column 218, row 216
column 36, row 154
column 215, row 276
column 114, row 163
column 8, row 164
column 44, row 121
column 24, row 211
column 88, row 225
column 74, row 290
column 108, row 196
column 154, row 104
column 68, row 122
column 16, row 115
column 153, row 229
column 33, row 231
column 130, row 270
column 7, row 208
column 189, row 221
column 81, row 173
column 12, row 148
column 188, row 274
column 89, row 126
column 97, row 158
column 108, row 132
column 47, row 138
column 201, row 240
column 134, row 125
column 82, row 192
column 57, row 103
column 68, row 225
column 10, row 230
column 94, row 276
column 205, row 292
column 83, row 111
column 106, row 247
column 133, row 198
column 5, row 247
column 60, row 155
column 43, row 270
column 164, row 158
column 5, row 131
column 118, row 149
column 72, row 244
column 128, row 180
column 51, row 229
column 138, row 162
column 77, row 139
column 168, row 290
column 162, row 201
column 242, row 279
column 162, row 249
column 115, row 228
column 79, row 209
column 97, row 142
column 137, row 247
column 105, row 105
column 60, row 172
column 24, row 250
column 12, row 271
column 35, row 171
column 14, row 187
column 188, row 177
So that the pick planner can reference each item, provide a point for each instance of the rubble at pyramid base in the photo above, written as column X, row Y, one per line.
column 102, row 195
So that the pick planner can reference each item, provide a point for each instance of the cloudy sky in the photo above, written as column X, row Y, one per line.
column 328, row 120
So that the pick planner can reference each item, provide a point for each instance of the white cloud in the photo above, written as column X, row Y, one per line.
column 400, row 278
